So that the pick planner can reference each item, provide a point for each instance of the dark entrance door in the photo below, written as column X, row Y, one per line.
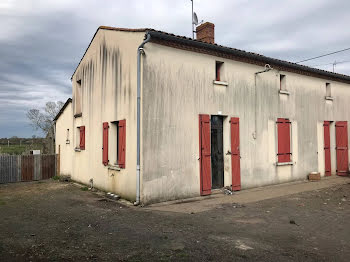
column 327, row 149
column 217, row 153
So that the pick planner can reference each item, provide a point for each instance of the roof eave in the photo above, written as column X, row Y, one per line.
column 69, row 100
column 247, row 55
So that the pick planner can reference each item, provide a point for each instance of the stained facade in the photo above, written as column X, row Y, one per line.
column 210, row 117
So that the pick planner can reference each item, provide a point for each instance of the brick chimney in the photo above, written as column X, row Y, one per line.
column 205, row 32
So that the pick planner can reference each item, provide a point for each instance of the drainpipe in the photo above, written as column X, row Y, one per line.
column 140, row 51
column 267, row 69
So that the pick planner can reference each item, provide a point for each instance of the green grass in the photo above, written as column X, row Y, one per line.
column 19, row 149
column 85, row 188
column 2, row 203
column 56, row 177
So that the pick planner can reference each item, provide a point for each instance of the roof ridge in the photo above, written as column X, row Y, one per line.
column 221, row 48
column 124, row 29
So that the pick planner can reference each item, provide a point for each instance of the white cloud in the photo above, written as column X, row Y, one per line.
column 42, row 41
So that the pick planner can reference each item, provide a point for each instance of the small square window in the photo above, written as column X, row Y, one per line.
column 328, row 90
column 67, row 139
column 218, row 70
column 283, row 84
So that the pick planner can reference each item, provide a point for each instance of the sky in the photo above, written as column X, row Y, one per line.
column 42, row 41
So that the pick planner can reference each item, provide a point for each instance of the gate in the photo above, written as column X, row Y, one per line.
column 27, row 168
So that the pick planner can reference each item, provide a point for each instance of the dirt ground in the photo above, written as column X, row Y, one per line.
column 49, row 220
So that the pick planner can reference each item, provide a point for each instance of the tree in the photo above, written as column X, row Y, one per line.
column 43, row 119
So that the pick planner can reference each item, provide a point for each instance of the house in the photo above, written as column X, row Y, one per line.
column 64, row 147
column 157, row 117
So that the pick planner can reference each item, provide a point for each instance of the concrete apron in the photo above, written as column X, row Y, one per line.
column 200, row 204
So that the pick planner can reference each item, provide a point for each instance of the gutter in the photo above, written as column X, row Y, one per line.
column 140, row 51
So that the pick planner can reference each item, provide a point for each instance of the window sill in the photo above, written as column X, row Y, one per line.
column 284, row 164
column 284, row 92
column 220, row 83
column 77, row 149
column 116, row 168
column 330, row 98
column 78, row 115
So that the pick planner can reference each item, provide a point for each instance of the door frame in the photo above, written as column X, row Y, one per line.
column 327, row 137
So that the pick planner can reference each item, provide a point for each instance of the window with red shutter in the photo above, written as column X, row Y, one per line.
column 82, row 138
column 105, row 143
column 121, row 143
column 283, row 135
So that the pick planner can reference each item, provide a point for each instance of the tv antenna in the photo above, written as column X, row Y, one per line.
column 195, row 19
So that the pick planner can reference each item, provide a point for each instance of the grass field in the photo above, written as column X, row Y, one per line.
column 19, row 149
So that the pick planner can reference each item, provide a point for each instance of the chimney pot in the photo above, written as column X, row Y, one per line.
column 205, row 32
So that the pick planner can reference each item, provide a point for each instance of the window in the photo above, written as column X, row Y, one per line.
column 283, row 135
column 218, row 70
column 118, row 142
column 81, row 138
column 328, row 90
column 78, row 99
column 283, row 85
column 67, row 139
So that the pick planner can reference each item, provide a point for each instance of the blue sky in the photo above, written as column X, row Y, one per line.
column 42, row 42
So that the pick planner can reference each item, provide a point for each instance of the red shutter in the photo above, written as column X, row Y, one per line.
column 105, row 144
column 121, row 143
column 327, row 148
column 204, row 151
column 283, row 130
column 341, row 134
column 235, row 154
column 82, row 138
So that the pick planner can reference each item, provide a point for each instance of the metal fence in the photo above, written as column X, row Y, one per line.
column 26, row 168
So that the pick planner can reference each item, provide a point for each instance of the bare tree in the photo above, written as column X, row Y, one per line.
column 43, row 119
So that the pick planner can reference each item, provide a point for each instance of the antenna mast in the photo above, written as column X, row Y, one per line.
column 192, row 22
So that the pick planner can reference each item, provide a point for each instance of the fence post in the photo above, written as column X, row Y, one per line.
column 19, row 168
